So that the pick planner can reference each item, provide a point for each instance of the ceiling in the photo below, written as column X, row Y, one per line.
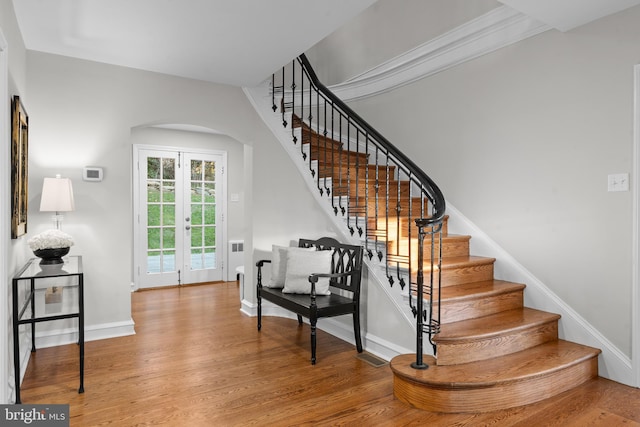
column 236, row 42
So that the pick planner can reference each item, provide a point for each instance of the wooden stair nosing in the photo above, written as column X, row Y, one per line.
column 494, row 335
column 537, row 361
column 462, row 269
column 503, row 382
column 476, row 290
column 382, row 171
column 502, row 323
column 477, row 299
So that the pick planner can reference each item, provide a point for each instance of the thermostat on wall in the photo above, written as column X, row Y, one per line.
column 91, row 173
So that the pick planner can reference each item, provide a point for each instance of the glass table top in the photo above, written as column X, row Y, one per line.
column 72, row 266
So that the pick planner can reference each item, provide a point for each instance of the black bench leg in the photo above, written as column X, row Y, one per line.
column 356, row 330
column 259, row 311
column 313, row 322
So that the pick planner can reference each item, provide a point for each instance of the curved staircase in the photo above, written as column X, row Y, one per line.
column 492, row 352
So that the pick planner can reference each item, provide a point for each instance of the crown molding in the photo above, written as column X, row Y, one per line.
column 496, row 29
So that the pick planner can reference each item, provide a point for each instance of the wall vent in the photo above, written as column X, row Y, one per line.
column 236, row 258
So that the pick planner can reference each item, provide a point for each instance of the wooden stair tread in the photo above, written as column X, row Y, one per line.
column 462, row 261
column 446, row 238
column 544, row 359
column 502, row 323
column 478, row 290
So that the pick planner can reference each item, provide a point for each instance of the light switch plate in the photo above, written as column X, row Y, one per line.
column 618, row 182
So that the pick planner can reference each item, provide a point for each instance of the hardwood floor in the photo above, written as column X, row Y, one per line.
column 197, row 361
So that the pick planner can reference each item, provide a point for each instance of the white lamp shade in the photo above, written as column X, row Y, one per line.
column 57, row 195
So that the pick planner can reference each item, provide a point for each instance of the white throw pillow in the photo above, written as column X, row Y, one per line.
column 301, row 264
column 279, row 264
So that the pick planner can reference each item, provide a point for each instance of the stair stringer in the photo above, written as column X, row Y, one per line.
column 612, row 363
column 260, row 98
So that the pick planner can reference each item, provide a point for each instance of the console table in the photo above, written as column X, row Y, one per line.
column 27, row 284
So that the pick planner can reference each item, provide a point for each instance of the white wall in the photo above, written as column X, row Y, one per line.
column 521, row 141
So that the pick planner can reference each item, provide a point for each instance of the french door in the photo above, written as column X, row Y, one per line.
column 179, row 220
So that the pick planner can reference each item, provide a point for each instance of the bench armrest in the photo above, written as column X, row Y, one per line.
column 313, row 279
column 259, row 264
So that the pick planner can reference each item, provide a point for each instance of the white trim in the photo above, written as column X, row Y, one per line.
column 4, row 216
column 496, row 29
column 635, row 250
column 66, row 336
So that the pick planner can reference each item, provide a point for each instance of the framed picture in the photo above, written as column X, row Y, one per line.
column 19, row 167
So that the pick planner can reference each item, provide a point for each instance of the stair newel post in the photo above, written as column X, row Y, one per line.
column 419, row 363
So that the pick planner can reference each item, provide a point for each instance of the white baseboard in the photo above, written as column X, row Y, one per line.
column 91, row 333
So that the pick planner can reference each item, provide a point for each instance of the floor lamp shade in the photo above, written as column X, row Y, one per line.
column 57, row 195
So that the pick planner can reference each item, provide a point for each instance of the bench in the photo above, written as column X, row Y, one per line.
column 343, row 272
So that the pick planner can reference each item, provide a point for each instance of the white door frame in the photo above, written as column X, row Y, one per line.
column 635, row 250
column 136, row 205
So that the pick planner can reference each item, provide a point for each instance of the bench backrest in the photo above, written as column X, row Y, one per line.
column 346, row 258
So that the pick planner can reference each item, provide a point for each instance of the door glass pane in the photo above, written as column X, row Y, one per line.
column 196, row 170
column 196, row 192
column 196, row 259
column 153, row 238
column 209, row 258
column 153, row 191
column 209, row 171
column 210, row 214
column 196, row 237
column 169, row 238
column 153, row 262
column 210, row 236
column 169, row 214
column 168, row 191
column 169, row 260
column 196, row 214
column 153, row 168
column 153, row 215
column 168, row 169
column 210, row 192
